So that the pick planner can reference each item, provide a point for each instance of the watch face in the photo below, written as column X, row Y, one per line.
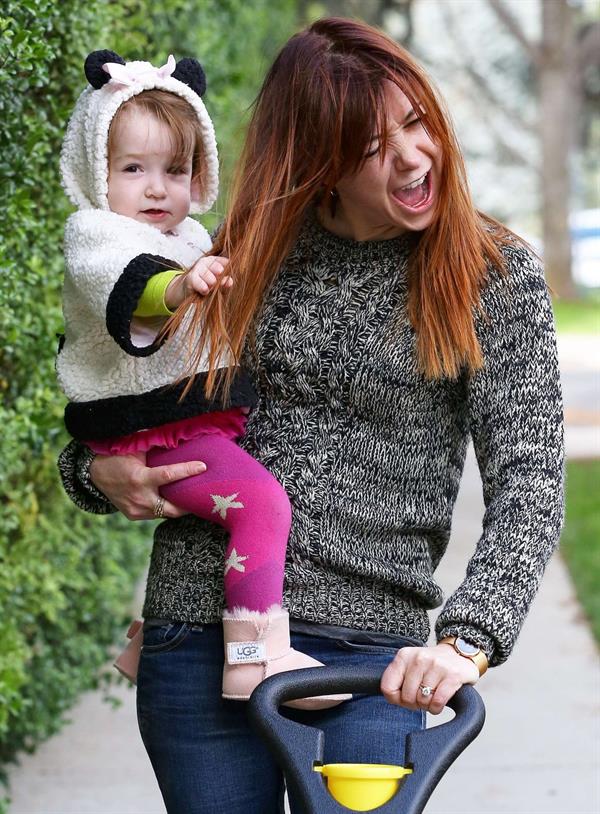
column 466, row 648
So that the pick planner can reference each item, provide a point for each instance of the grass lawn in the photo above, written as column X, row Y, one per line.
column 580, row 541
column 579, row 317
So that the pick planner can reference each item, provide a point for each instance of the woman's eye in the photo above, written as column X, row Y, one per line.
column 412, row 122
column 373, row 151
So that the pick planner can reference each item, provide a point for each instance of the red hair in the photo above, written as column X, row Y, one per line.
column 320, row 105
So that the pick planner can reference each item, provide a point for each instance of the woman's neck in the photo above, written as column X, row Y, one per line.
column 352, row 226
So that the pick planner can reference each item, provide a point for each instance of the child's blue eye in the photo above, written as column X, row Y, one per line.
column 131, row 168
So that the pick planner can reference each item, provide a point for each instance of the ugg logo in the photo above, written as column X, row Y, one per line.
column 246, row 652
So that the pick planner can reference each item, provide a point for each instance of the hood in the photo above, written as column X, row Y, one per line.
column 84, row 156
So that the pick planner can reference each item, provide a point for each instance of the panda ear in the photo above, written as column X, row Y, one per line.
column 95, row 75
column 190, row 72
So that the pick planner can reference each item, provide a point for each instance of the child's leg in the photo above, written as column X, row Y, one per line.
column 238, row 493
column 242, row 496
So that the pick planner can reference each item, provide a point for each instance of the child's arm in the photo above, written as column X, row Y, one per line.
column 165, row 291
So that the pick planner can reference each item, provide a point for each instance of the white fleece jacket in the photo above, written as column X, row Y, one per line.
column 99, row 245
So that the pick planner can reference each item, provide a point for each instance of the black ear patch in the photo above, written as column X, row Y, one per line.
column 93, row 67
column 190, row 72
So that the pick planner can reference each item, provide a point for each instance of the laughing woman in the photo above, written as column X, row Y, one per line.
column 385, row 321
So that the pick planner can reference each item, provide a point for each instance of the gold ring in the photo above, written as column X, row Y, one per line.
column 159, row 507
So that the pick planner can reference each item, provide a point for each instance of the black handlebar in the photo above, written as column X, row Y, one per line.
column 297, row 747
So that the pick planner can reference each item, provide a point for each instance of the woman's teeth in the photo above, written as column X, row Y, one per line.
column 414, row 184
column 414, row 194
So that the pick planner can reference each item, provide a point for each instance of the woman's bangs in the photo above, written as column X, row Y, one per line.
column 365, row 121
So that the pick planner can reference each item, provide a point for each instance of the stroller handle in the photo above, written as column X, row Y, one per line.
column 297, row 747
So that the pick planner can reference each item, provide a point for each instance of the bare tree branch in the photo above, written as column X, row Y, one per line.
column 499, row 102
column 510, row 153
column 588, row 47
column 468, row 64
column 510, row 22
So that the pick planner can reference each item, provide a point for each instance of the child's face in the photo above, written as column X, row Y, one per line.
column 144, row 183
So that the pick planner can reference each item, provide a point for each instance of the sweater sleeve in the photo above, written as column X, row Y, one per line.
column 123, row 301
column 152, row 300
column 515, row 414
column 74, row 466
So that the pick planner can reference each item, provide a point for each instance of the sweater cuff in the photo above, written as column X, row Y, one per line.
column 74, row 464
column 152, row 302
column 124, row 297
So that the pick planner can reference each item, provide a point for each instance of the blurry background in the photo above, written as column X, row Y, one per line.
column 522, row 81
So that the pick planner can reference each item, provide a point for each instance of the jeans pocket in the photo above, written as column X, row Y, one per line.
column 366, row 647
column 165, row 638
column 359, row 647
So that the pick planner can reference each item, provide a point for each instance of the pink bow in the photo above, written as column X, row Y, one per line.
column 132, row 73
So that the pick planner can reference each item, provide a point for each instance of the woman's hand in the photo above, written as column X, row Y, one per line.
column 204, row 275
column 133, row 487
column 438, row 667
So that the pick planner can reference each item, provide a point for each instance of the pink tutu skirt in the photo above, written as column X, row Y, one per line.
column 226, row 423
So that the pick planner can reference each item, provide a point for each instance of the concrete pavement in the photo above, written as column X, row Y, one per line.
column 539, row 752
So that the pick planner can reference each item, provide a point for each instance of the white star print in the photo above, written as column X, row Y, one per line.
column 235, row 561
column 222, row 504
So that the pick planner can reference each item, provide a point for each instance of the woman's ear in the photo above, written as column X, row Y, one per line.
column 95, row 74
column 190, row 72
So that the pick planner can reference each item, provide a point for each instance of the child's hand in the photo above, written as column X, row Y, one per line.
column 205, row 274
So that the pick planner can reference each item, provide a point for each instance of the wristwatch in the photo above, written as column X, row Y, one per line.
column 469, row 651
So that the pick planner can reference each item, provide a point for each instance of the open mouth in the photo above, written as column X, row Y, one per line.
column 416, row 194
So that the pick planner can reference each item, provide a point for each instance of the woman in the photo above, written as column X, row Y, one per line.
column 387, row 320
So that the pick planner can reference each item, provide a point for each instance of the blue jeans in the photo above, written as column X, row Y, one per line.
column 206, row 757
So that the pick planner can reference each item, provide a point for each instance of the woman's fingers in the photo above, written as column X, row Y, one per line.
column 426, row 677
column 161, row 475
column 392, row 678
column 443, row 693
column 133, row 488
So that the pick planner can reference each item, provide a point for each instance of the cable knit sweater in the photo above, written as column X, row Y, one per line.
column 371, row 453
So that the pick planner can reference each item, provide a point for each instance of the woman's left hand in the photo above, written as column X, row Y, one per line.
column 438, row 667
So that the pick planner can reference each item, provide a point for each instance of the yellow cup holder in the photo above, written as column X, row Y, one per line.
column 362, row 786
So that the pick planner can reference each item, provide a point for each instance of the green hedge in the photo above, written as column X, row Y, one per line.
column 66, row 578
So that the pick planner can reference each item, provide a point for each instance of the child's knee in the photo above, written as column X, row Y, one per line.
column 277, row 498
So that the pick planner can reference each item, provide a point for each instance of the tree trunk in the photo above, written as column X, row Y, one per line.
column 555, row 66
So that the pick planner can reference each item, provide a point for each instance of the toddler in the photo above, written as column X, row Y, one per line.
column 139, row 155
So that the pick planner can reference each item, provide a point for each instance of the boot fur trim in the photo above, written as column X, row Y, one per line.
column 256, row 617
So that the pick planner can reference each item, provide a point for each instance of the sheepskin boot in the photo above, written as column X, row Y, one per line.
column 127, row 663
column 257, row 645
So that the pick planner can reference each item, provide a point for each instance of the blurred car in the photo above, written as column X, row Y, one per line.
column 585, row 247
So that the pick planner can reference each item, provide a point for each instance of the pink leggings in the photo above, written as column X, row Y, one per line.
column 239, row 494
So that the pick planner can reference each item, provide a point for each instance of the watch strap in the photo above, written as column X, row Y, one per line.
column 478, row 658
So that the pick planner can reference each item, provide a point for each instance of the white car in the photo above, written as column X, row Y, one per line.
column 585, row 247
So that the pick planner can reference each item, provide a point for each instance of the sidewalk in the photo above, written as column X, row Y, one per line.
column 539, row 752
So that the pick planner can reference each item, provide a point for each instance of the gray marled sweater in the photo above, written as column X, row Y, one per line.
column 371, row 453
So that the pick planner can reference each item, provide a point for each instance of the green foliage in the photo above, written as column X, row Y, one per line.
column 580, row 542
column 66, row 578
column 578, row 316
